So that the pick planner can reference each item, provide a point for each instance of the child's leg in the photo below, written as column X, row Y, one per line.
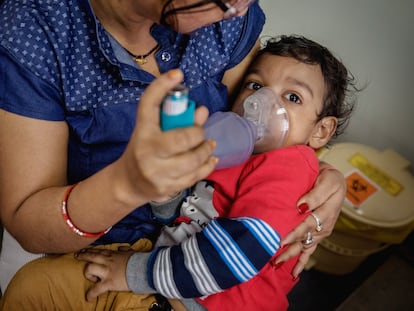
column 58, row 283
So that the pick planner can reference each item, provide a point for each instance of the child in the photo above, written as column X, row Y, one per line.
column 223, row 257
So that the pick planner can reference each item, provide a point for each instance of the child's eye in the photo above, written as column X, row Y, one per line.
column 292, row 97
column 253, row 86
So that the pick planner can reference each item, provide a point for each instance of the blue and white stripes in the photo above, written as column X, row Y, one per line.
column 264, row 233
column 233, row 257
column 203, row 279
column 165, row 277
column 227, row 252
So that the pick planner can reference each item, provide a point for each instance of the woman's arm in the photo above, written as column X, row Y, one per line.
column 33, row 161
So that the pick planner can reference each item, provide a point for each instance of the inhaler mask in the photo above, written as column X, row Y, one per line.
column 265, row 110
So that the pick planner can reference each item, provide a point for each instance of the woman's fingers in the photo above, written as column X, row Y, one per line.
column 201, row 115
column 178, row 141
column 156, row 163
column 299, row 233
column 302, row 241
column 330, row 183
column 293, row 250
column 149, row 112
column 303, row 259
column 163, row 176
column 325, row 200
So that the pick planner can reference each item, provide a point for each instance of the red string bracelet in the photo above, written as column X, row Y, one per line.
column 69, row 222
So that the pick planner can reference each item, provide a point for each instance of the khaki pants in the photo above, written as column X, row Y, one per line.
column 57, row 283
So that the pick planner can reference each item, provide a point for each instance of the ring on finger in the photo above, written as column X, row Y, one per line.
column 318, row 222
column 309, row 239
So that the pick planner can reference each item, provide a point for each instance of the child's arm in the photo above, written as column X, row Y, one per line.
column 215, row 259
column 209, row 262
column 229, row 251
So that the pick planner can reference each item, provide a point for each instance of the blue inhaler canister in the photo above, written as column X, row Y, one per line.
column 177, row 110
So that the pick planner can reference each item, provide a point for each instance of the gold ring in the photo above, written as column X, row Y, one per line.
column 318, row 222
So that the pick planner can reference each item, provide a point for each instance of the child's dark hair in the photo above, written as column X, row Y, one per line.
column 339, row 99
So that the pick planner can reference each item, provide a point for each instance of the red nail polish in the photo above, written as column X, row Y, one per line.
column 276, row 265
column 303, row 208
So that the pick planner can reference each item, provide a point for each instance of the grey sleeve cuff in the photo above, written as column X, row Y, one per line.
column 136, row 274
column 192, row 305
column 168, row 209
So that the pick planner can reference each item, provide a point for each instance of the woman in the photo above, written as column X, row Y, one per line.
column 73, row 73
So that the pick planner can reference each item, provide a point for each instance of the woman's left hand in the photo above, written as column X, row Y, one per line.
column 325, row 201
column 106, row 268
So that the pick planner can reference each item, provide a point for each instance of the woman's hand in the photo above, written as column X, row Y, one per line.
column 157, row 164
column 106, row 268
column 325, row 201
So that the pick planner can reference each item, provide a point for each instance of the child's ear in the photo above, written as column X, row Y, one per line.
column 323, row 132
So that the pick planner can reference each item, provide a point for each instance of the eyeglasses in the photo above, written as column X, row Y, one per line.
column 231, row 10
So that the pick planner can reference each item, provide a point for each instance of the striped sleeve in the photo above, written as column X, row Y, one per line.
column 214, row 259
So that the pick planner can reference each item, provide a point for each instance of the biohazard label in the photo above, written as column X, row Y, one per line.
column 374, row 173
column 359, row 188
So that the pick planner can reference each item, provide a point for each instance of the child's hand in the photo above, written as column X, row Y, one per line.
column 106, row 268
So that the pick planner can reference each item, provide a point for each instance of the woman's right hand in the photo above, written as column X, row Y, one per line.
column 156, row 164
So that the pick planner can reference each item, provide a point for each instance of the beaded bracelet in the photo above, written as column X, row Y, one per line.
column 69, row 222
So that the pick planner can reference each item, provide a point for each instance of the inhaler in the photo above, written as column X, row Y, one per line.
column 264, row 126
column 177, row 110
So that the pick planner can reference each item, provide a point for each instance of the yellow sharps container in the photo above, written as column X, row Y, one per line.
column 378, row 210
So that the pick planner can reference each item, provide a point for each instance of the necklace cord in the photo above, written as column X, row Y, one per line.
column 142, row 59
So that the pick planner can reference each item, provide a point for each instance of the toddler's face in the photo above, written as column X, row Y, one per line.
column 299, row 86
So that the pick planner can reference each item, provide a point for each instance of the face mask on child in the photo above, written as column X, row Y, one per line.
column 267, row 113
column 264, row 126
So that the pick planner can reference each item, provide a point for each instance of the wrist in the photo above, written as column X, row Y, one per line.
column 327, row 167
column 68, row 220
column 137, row 273
column 167, row 198
column 127, row 191
column 167, row 211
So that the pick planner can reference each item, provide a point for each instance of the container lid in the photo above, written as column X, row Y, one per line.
column 380, row 187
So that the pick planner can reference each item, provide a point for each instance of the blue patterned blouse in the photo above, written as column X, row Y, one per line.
column 58, row 63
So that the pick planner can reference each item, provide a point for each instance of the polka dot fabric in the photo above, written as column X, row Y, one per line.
column 63, row 44
column 58, row 63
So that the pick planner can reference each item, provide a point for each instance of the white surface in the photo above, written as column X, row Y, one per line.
column 12, row 257
column 375, row 40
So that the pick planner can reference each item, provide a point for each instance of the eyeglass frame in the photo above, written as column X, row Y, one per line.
column 228, row 9
column 231, row 10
